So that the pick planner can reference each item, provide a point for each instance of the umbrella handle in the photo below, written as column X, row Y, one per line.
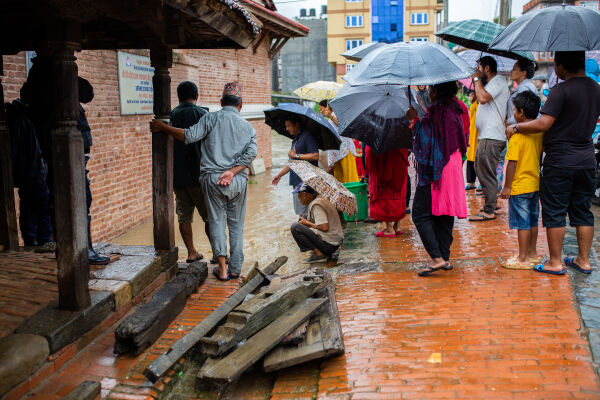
column 409, row 97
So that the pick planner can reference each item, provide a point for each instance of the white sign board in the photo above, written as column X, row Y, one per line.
column 135, row 84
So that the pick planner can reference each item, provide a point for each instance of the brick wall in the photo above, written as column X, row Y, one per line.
column 121, row 158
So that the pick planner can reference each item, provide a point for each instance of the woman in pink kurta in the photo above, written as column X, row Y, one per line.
column 387, row 174
column 439, row 144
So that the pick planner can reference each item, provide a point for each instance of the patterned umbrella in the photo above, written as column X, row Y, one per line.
column 477, row 34
column 319, row 90
column 326, row 185
column 360, row 52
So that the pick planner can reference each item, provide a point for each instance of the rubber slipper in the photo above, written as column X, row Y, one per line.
column 482, row 217
column 570, row 261
column 448, row 267
column 190, row 260
column 382, row 234
column 540, row 268
column 234, row 276
column 514, row 263
column 469, row 187
column 398, row 233
column 429, row 270
column 216, row 273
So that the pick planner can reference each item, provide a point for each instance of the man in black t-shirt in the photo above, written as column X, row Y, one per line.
column 568, row 177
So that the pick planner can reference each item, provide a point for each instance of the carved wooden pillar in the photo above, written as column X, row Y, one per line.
column 69, row 181
column 162, row 153
column 8, row 218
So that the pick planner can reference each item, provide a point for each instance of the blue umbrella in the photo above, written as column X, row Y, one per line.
column 311, row 121
column 375, row 115
column 562, row 28
column 415, row 63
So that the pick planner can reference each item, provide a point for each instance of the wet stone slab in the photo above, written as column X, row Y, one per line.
column 139, row 271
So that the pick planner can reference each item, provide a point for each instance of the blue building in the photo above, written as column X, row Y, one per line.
column 387, row 20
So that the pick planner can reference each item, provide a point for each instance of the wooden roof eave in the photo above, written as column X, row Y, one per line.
column 278, row 27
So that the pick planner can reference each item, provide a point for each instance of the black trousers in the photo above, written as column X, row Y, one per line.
column 308, row 240
column 435, row 231
column 471, row 175
column 408, row 190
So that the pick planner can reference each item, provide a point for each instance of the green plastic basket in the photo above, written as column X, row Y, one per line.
column 359, row 190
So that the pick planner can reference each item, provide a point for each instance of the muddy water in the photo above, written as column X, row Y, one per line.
column 269, row 215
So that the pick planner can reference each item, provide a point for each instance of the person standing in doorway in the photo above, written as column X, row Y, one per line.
column 304, row 147
column 228, row 145
column 186, row 169
column 492, row 95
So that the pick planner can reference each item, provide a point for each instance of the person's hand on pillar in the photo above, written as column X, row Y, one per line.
column 156, row 125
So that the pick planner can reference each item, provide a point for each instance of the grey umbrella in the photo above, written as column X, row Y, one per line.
column 374, row 114
column 415, row 63
column 562, row 28
column 360, row 52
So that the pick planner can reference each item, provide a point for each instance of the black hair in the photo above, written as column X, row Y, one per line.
column 229, row 100
column 529, row 102
column 293, row 119
column 446, row 90
column 324, row 103
column 573, row 61
column 528, row 66
column 488, row 61
column 187, row 90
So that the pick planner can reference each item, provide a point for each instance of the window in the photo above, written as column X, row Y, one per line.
column 393, row 27
column 419, row 18
column 375, row 19
column 419, row 39
column 354, row 21
column 393, row 2
column 350, row 66
column 352, row 43
column 354, row 1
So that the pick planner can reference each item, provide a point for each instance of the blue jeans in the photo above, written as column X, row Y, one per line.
column 226, row 207
column 524, row 211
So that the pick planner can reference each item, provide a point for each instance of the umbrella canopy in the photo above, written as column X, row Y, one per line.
column 326, row 185
column 477, row 34
column 375, row 115
column 360, row 52
column 505, row 64
column 562, row 28
column 319, row 90
column 311, row 121
column 415, row 63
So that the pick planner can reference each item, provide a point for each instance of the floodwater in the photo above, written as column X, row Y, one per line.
column 269, row 215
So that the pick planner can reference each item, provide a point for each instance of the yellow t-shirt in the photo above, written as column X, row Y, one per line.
column 526, row 151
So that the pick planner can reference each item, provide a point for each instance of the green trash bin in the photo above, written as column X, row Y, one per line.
column 359, row 190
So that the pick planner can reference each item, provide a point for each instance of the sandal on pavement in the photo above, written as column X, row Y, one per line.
column 480, row 217
column 570, row 261
column 398, row 233
column 191, row 260
column 514, row 263
column 383, row 234
column 216, row 273
column 470, row 187
column 540, row 268
column 428, row 270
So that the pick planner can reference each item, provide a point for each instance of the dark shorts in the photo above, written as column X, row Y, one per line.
column 567, row 191
column 186, row 199
column 524, row 211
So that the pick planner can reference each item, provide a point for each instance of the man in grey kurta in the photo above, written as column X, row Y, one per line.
column 228, row 144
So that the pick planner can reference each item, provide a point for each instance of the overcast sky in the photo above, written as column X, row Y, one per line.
column 459, row 9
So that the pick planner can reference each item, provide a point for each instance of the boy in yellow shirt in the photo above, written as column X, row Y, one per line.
column 522, row 182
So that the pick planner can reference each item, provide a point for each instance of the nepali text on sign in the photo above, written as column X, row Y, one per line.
column 135, row 84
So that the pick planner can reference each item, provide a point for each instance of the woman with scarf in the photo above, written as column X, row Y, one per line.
column 439, row 144
column 387, row 174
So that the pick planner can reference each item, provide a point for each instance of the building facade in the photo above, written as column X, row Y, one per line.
column 352, row 23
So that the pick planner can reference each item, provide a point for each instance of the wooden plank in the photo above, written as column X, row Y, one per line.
column 233, row 365
column 140, row 329
column 256, row 313
column 87, row 390
column 323, row 339
column 183, row 345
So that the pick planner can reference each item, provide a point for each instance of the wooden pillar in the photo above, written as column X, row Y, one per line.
column 8, row 218
column 162, row 153
column 69, row 181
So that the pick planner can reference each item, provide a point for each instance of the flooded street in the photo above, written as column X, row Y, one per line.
column 269, row 216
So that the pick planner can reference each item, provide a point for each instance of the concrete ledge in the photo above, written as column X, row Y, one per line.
column 61, row 327
column 20, row 356
column 138, row 271
column 121, row 290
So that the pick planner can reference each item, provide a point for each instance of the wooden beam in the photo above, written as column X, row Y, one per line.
column 274, row 50
column 68, row 171
column 259, row 39
column 8, row 217
column 162, row 153
column 183, row 345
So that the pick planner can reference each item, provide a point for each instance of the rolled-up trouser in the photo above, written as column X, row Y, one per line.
column 309, row 240
column 226, row 206
column 486, row 163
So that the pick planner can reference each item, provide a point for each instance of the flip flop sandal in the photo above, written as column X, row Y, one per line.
column 234, row 276
column 216, row 274
column 469, row 187
column 429, row 270
column 570, row 261
column 448, row 267
column 514, row 263
column 483, row 218
column 398, row 233
column 540, row 268
column 189, row 260
column 536, row 260
column 383, row 234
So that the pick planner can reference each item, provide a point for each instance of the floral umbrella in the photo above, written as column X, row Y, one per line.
column 326, row 185
column 319, row 90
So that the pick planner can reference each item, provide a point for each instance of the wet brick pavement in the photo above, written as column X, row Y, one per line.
column 476, row 332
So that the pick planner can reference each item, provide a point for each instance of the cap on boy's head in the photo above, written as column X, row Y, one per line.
column 303, row 188
column 233, row 89
column 529, row 102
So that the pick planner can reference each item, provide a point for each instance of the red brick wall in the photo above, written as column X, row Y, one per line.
column 121, row 159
